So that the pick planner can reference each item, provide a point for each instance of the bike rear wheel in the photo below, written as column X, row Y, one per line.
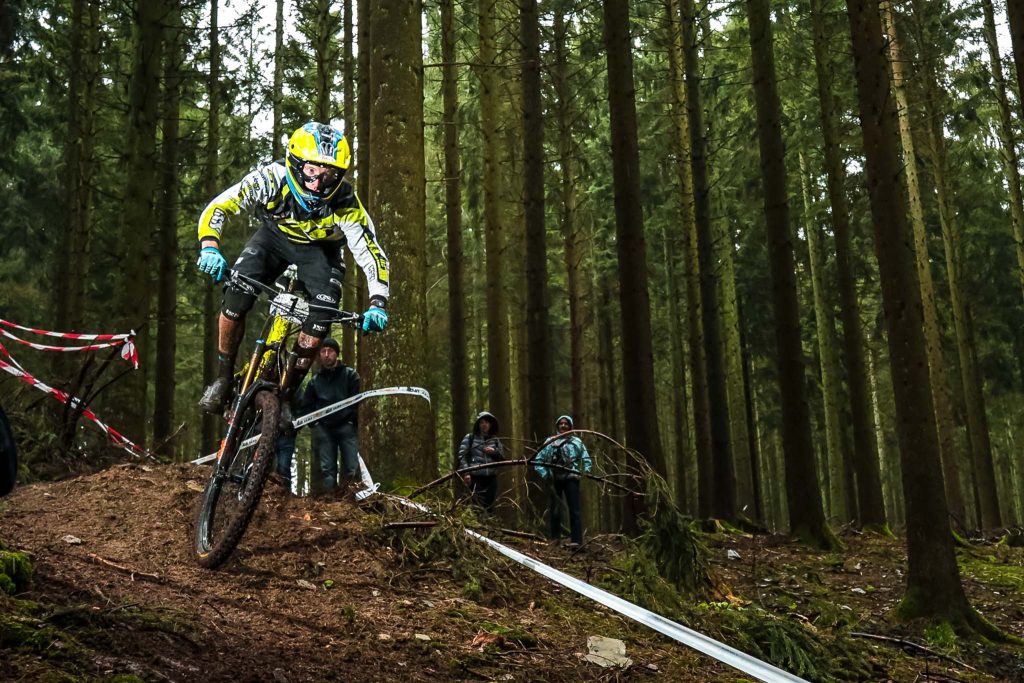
column 235, row 488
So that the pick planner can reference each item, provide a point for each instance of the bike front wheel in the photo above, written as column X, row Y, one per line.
column 234, row 489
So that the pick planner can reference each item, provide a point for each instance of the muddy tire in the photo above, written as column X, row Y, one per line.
column 234, row 489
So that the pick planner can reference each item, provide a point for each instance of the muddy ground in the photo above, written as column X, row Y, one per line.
column 320, row 590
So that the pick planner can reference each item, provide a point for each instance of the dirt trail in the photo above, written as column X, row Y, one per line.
column 319, row 591
column 314, row 593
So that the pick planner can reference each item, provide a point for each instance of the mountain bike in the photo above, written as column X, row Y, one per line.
column 248, row 450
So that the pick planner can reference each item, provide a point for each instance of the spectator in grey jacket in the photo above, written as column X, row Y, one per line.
column 479, row 447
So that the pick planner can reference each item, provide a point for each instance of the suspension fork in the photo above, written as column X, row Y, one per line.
column 247, row 381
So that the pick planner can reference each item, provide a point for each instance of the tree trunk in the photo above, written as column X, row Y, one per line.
column 349, row 299
column 681, row 126
column 830, row 390
column 73, row 258
column 211, row 175
column 325, row 57
column 933, row 579
column 459, row 380
column 364, row 134
column 498, row 363
column 277, row 97
column 679, row 395
column 1011, row 163
column 140, row 170
column 1015, row 18
column 363, row 131
column 404, row 430
column 806, row 516
column 870, row 504
column 538, row 373
column 641, row 414
column 166, row 319
column 970, row 378
column 936, row 365
column 717, row 481
column 739, row 438
column 753, row 443
column 573, row 232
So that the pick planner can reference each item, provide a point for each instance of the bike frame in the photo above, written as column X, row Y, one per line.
column 276, row 329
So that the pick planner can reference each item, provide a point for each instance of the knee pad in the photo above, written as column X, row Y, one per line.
column 236, row 303
column 304, row 355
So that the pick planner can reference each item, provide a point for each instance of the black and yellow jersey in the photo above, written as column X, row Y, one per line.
column 266, row 192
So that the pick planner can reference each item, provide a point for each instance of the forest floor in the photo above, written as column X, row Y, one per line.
column 320, row 590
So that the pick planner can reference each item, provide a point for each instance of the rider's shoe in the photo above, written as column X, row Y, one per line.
column 215, row 396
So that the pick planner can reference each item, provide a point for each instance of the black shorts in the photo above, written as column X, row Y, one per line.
column 268, row 253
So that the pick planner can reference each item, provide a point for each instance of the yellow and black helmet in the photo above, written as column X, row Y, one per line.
column 320, row 145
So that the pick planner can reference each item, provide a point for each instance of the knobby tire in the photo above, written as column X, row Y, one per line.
column 234, row 491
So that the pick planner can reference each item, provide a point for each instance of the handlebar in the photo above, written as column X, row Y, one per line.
column 335, row 315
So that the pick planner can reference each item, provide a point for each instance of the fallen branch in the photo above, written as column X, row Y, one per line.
column 515, row 463
column 912, row 646
column 128, row 570
column 521, row 534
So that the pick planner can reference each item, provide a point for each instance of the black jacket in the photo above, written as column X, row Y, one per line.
column 331, row 386
column 471, row 450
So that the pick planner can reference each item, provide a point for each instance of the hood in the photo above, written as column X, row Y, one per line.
column 484, row 415
column 564, row 417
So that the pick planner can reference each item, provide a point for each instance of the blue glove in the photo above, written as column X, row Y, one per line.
column 212, row 263
column 375, row 319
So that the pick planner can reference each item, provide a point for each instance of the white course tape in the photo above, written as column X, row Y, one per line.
column 330, row 410
column 369, row 486
column 698, row 641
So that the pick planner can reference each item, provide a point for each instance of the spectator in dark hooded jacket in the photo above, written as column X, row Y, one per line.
column 334, row 382
column 480, row 447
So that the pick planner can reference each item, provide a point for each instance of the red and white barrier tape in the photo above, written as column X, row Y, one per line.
column 128, row 353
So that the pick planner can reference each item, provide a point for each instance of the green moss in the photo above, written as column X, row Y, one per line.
column 1002, row 571
column 471, row 590
column 941, row 637
column 830, row 614
column 825, row 540
column 879, row 530
column 965, row 622
column 17, row 631
column 15, row 571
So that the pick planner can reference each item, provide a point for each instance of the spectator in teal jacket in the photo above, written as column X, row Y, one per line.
column 564, row 459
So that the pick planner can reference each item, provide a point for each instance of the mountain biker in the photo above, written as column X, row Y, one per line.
column 306, row 209
column 569, row 452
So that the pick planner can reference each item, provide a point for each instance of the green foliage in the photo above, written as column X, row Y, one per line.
column 637, row 579
column 671, row 541
column 782, row 642
column 941, row 637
